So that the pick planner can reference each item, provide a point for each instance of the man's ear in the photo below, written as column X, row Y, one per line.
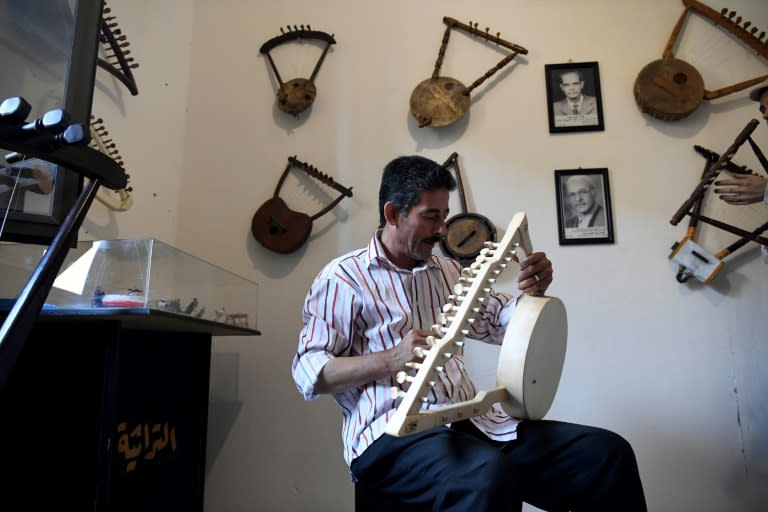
column 391, row 213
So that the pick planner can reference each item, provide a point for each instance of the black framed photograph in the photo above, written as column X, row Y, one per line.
column 583, row 206
column 574, row 100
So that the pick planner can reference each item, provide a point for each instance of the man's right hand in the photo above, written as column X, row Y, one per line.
column 406, row 351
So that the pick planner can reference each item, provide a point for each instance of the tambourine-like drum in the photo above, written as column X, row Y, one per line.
column 532, row 356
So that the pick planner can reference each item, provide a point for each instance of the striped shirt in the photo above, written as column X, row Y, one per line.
column 362, row 303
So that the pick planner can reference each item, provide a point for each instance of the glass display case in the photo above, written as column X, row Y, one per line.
column 134, row 277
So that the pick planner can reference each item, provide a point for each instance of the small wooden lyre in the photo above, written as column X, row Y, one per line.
column 298, row 94
column 281, row 229
column 441, row 100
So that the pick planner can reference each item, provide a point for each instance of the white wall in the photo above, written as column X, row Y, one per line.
column 677, row 369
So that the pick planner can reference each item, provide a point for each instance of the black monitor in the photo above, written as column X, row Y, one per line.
column 48, row 51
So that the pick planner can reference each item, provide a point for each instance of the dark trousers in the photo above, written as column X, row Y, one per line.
column 552, row 465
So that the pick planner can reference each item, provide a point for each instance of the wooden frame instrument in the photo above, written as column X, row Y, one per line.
column 283, row 230
column 298, row 94
column 121, row 199
column 531, row 357
column 692, row 259
column 115, row 59
column 440, row 100
column 671, row 89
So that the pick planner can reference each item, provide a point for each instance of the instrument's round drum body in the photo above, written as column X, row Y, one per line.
column 439, row 101
column 669, row 89
column 295, row 96
column 532, row 356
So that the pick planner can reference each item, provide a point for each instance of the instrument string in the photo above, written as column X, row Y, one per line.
column 10, row 201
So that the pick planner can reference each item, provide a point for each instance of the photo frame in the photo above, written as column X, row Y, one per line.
column 584, row 213
column 574, row 100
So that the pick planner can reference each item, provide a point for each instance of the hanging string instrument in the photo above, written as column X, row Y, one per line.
column 115, row 57
column 121, row 199
column 685, row 269
column 532, row 353
column 298, row 94
column 693, row 259
column 441, row 100
column 281, row 229
column 671, row 88
column 466, row 232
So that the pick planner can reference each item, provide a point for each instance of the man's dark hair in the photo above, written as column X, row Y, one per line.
column 405, row 178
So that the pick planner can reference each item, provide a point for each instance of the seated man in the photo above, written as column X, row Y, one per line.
column 365, row 315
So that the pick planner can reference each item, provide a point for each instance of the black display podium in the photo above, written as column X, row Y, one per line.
column 107, row 411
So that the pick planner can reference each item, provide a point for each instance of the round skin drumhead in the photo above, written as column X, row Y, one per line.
column 532, row 356
column 439, row 102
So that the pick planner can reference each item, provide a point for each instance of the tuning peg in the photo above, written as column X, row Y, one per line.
column 282, row 31
column 53, row 121
column 731, row 15
column 723, row 11
column 396, row 393
column 14, row 110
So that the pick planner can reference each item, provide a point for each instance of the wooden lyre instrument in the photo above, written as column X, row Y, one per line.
column 298, row 94
column 466, row 233
column 441, row 100
column 115, row 59
column 671, row 89
column 531, row 357
column 118, row 200
column 283, row 230
column 692, row 259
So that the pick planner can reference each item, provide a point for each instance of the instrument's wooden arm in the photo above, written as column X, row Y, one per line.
column 449, row 413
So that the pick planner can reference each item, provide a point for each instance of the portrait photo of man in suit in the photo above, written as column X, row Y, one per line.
column 574, row 97
column 582, row 198
column 574, row 101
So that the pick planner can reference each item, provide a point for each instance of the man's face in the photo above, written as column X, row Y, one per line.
column 581, row 196
column 423, row 227
column 571, row 85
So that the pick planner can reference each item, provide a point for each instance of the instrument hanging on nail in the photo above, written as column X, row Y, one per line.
column 298, row 94
column 670, row 88
column 115, row 57
column 466, row 233
column 692, row 259
column 441, row 100
column 118, row 200
column 283, row 230
column 532, row 353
